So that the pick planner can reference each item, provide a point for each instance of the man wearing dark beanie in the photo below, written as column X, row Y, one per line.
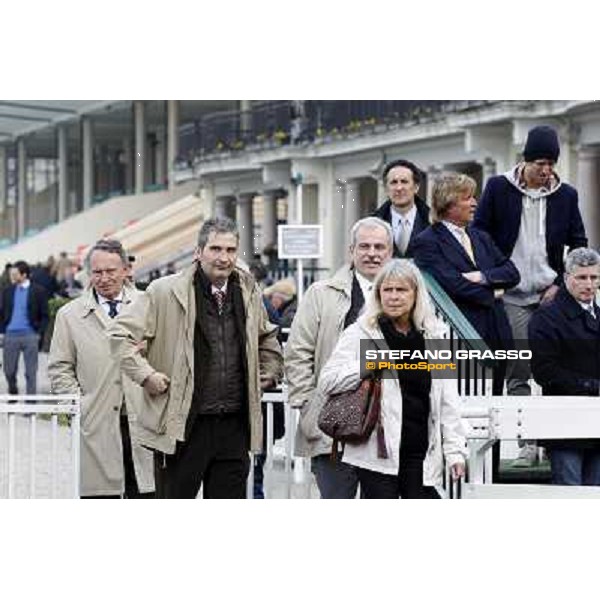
column 532, row 216
column 542, row 143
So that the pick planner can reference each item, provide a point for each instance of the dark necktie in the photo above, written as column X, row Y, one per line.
column 219, row 299
column 112, row 308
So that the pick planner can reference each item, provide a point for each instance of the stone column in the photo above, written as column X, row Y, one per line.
column 140, row 145
column 159, row 156
column 332, row 213
column 223, row 206
column 22, row 187
column 172, row 139
column 352, row 203
column 269, row 224
column 432, row 173
column 588, row 184
column 208, row 198
column 3, row 180
column 63, row 173
column 489, row 170
column 291, row 205
column 149, row 159
column 245, row 226
column 88, row 162
column 245, row 117
column 128, row 165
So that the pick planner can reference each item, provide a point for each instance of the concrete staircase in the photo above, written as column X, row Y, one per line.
column 77, row 232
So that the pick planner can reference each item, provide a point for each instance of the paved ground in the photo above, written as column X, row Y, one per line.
column 42, row 466
column 276, row 485
column 275, row 479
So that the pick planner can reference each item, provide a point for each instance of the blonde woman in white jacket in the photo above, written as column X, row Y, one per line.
column 420, row 414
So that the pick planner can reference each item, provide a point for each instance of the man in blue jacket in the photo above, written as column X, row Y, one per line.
column 532, row 217
column 467, row 263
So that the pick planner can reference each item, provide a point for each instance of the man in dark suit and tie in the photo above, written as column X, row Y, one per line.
column 466, row 262
column 407, row 214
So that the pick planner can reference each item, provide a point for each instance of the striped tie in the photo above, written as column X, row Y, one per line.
column 219, row 299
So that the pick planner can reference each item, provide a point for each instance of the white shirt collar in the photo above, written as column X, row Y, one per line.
column 456, row 231
column 25, row 284
column 104, row 301
column 214, row 288
column 408, row 217
column 586, row 306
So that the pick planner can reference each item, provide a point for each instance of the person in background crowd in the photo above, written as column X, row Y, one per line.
column 23, row 320
column 279, row 300
column 64, row 267
column 564, row 335
column 281, row 296
column 113, row 463
column 43, row 275
column 532, row 217
column 5, row 281
column 327, row 308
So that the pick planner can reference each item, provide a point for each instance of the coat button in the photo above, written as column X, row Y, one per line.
column 115, row 408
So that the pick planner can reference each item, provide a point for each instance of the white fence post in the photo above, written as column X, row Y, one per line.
column 25, row 410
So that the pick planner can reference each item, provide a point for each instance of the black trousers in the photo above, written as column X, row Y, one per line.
column 215, row 455
column 132, row 490
column 408, row 484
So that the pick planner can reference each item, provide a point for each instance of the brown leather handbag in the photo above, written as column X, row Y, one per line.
column 352, row 416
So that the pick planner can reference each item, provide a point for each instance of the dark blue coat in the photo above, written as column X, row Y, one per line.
column 565, row 342
column 437, row 251
column 421, row 223
column 499, row 213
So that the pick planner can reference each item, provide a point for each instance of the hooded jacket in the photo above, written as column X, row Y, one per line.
column 532, row 228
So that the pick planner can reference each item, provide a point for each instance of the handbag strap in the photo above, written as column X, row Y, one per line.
column 336, row 454
column 377, row 389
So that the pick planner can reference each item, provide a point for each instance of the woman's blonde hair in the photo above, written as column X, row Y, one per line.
column 423, row 315
column 446, row 190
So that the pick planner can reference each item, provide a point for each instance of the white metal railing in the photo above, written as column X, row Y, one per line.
column 495, row 418
column 278, row 396
column 25, row 432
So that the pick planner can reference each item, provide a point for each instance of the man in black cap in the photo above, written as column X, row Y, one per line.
column 532, row 216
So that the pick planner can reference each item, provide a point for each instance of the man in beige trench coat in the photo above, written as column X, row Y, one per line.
column 113, row 463
column 211, row 350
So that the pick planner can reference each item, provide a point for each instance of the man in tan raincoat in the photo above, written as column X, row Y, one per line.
column 113, row 463
column 211, row 349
